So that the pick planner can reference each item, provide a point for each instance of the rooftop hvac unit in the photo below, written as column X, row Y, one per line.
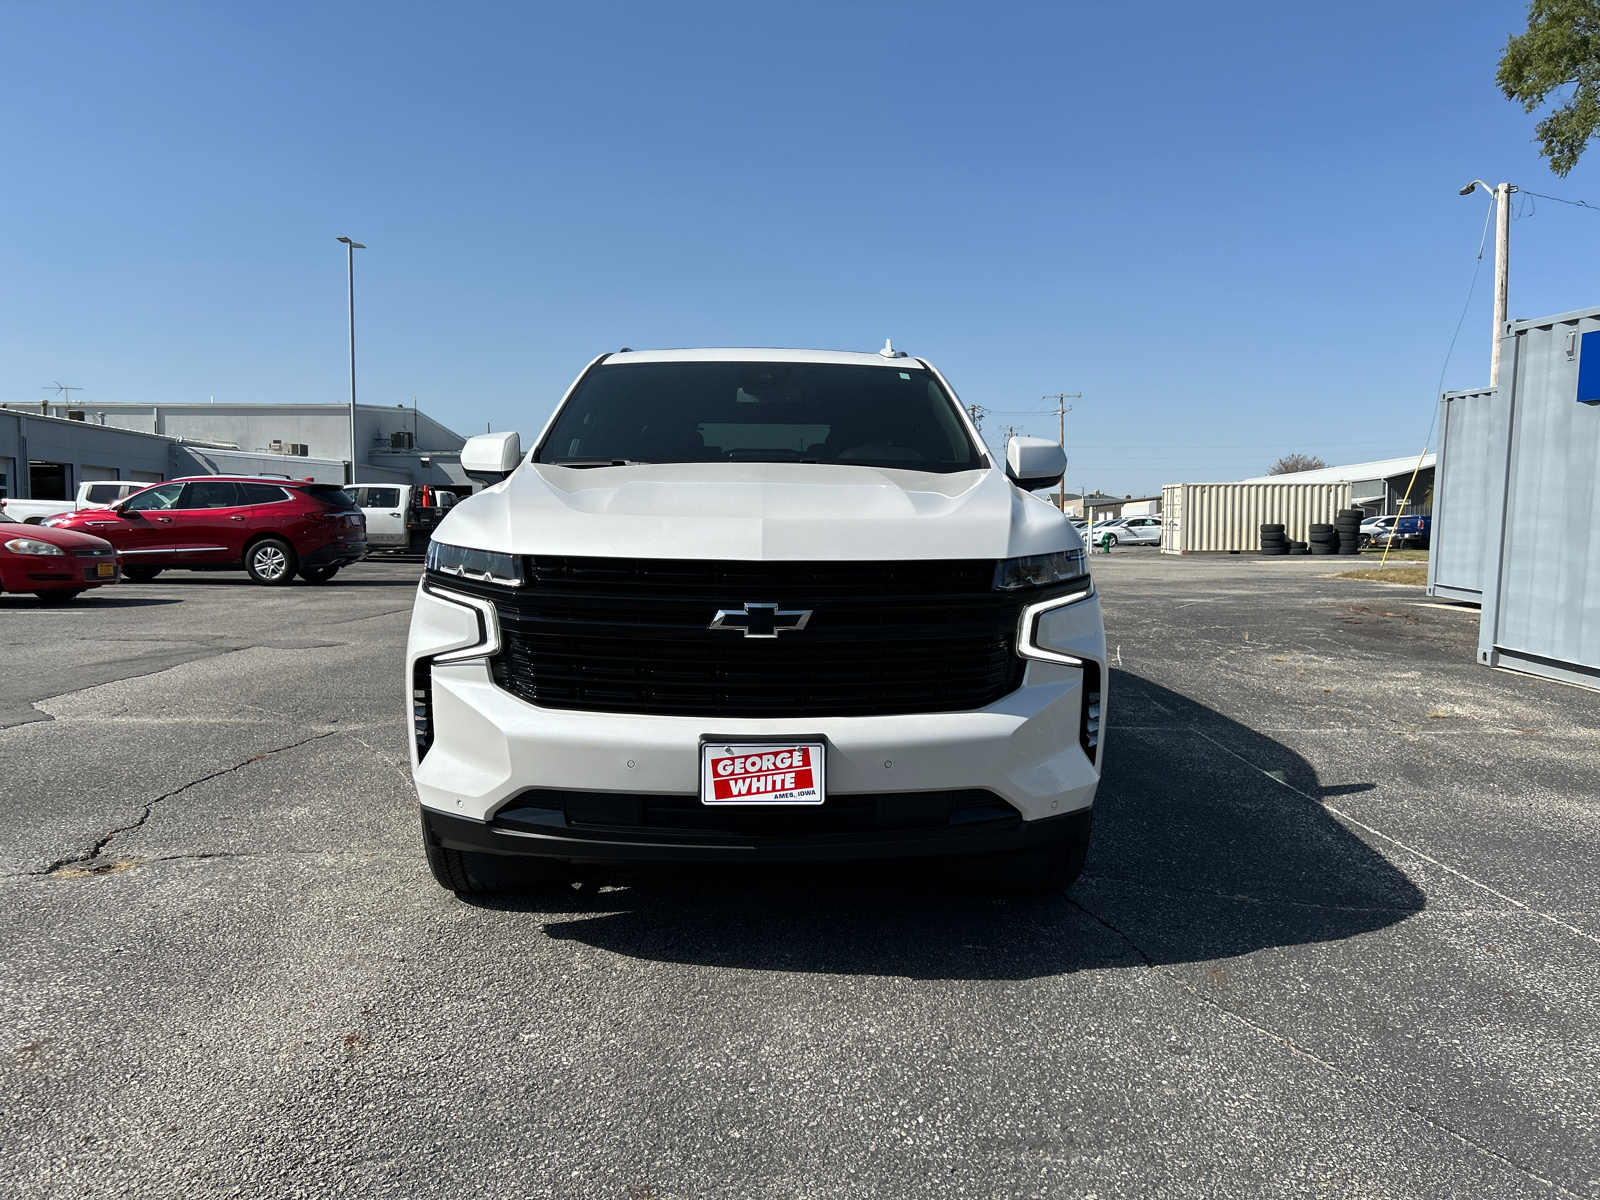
column 300, row 448
column 75, row 414
column 275, row 446
column 400, row 441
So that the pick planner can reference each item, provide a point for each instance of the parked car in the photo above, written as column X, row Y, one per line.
column 273, row 529
column 56, row 565
column 401, row 516
column 1131, row 531
column 756, row 606
column 1409, row 532
column 95, row 494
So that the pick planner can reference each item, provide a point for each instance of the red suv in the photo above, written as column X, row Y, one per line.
column 272, row 528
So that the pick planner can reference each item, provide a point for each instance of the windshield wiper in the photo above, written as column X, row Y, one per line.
column 591, row 462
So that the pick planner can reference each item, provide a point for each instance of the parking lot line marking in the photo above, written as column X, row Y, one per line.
column 1462, row 875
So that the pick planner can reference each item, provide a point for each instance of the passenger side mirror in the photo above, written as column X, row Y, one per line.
column 1033, row 463
column 490, row 457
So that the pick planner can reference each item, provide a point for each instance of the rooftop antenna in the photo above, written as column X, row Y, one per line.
column 889, row 351
column 61, row 390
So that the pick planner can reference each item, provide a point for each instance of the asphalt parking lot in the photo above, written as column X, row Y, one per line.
column 1339, row 935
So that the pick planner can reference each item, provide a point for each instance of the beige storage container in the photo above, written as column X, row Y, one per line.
column 1227, row 517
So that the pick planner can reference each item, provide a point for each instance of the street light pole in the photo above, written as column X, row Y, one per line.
column 1502, row 264
column 350, row 249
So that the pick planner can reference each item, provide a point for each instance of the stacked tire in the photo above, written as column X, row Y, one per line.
column 1323, row 539
column 1347, row 524
column 1273, row 540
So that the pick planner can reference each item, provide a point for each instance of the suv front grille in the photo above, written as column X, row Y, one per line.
column 632, row 636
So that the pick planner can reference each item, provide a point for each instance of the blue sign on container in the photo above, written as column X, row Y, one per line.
column 1589, row 368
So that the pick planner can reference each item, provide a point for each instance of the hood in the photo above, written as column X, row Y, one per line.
column 756, row 511
column 67, row 539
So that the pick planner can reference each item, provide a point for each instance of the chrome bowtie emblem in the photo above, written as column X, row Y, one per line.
column 760, row 620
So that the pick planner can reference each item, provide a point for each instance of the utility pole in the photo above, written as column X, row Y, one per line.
column 1062, row 409
column 977, row 412
column 350, row 249
column 1502, row 264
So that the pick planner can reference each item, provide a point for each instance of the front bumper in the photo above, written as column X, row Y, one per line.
column 593, row 846
column 483, row 748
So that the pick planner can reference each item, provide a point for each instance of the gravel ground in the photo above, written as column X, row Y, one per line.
column 1339, row 935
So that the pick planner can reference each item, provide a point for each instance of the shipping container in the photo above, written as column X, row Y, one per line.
column 1541, row 597
column 1227, row 517
column 1472, row 450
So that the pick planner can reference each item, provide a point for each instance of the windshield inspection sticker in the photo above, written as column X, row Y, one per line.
column 772, row 773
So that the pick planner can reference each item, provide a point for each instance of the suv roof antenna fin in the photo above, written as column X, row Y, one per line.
column 889, row 351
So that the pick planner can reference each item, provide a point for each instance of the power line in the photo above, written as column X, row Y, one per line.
column 1559, row 200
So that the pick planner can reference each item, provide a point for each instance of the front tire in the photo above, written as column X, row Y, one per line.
column 270, row 562
column 468, row 874
column 1043, row 870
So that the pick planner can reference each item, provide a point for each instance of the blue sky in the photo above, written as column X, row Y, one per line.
column 1233, row 228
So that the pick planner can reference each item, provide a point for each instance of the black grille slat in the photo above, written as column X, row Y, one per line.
column 630, row 635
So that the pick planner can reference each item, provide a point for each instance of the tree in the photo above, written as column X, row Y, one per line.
column 1560, row 49
column 1290, row 463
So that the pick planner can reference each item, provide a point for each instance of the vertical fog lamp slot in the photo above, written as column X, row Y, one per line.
column 1089, row 720
column 422, row 706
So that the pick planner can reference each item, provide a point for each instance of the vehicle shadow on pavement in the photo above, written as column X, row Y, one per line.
column 1209, row 842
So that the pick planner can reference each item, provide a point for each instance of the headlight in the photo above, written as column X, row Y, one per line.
column 483, row 565
column 1038, row 570
column 32, row 546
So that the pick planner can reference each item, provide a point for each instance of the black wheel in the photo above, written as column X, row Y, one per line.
column 1363, row 541
column 60, row 595
column 1049, row 870
column 140, row 574
column 270, row 561
column 469, row 874
column 318, row 574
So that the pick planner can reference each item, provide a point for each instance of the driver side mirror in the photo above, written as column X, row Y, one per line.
column 490, row 457
column 122, row 510
column 1033, row 463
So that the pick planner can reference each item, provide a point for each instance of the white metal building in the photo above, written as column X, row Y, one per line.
column 47, row 448
column 1375, row 486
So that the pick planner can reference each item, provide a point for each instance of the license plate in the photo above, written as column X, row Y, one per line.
column 105, row 570
column 761, row 773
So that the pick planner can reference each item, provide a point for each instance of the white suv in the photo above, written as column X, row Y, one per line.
column 755, row 606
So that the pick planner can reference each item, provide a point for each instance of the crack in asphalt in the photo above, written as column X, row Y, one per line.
column 1301, row 1052
column 1412, row 850
column 94, row 851
column 1174, row 893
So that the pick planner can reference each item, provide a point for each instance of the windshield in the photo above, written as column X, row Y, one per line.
column 761, row 412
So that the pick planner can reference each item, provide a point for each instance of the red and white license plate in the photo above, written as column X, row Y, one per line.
column 764, row 773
